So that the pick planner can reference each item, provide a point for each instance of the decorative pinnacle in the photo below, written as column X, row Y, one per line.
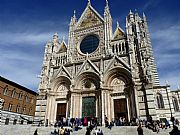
column 55, row 36
column 144, row 16
column 74, row 13
column 89, row 2
column 130, row 12
column 117, row 24
column 106, row 2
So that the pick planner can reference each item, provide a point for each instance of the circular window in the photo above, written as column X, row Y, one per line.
column 89, row 44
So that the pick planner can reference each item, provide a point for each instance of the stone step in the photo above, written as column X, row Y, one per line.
column 29, row 130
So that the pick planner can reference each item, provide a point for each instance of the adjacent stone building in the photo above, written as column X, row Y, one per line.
column 17, row 103
column 100, row 72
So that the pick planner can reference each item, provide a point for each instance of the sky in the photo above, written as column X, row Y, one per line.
column 27, row 25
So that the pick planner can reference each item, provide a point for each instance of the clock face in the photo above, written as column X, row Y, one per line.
column 89, row 44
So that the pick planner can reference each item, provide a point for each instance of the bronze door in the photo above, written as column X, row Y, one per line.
column 120, row 108
column 61, row 111
column 88, row 107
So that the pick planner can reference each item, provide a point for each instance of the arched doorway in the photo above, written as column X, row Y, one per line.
column 122, row 93
column 58, row 99
column 88, row 84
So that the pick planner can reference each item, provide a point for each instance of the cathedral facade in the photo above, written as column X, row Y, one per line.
column 102, row 73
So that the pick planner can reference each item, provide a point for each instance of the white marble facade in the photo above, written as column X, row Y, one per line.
column 119, row 73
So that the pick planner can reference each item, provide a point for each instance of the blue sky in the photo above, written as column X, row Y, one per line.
column 26, row 25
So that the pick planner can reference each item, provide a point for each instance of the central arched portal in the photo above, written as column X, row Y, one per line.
column 88, row 91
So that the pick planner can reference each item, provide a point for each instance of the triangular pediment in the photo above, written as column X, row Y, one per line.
column 117, row 62
column 118, row 34
column 61, row 72
column 90, row 17
column 62, row 47
column 88, row 66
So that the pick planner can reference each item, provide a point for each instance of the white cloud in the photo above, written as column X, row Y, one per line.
column 150, row 3
column 21, row 38
column 21, row 56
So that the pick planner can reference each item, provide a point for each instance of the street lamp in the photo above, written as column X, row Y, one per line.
column 167, row 85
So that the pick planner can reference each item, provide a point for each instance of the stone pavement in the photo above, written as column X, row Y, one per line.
column 29, row 130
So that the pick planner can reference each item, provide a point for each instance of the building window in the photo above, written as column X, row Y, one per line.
column 27, row 98
column 89, row 44
column 17, row 108
column 24, row 110
column 6, row 91
column 10, row 107
column 13, row 93
column 175, row 104
column 160, row 101
column 20, row 95
column 32, row 100
column 30, row 111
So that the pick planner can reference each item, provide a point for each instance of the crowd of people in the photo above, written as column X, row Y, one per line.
column 75, row 124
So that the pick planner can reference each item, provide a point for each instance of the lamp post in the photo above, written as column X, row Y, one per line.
column 167, row 85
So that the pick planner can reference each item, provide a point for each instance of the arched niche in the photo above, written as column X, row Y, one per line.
column 118, row 77
column 61, row 84
column 87, row 80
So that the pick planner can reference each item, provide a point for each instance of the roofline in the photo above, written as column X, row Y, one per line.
column 17, row 85
column 178, row 90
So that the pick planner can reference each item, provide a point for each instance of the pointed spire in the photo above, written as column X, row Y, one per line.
column 130, row 12
column 74, row 13
column 55, row 38
column 63, row 38
column 144, row 16
column 107, row 4
column 89, row 2
column 55, row 34
column 73, row 19
column 136, row 12
column 117, row 24
column 107, row 10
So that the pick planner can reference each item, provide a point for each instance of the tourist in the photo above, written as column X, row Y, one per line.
column 177, row 122
column 36, row 132
column 64, row 121
column 68, row 119
column 61, row 131
column 175, row 131
column 140, row 130
column 88, row 132
column 85, row 121
column 95, row 132
column 106, row 121
column 100, row 132
column 56, row 132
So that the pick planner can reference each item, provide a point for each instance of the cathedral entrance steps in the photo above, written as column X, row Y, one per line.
column 29, row 130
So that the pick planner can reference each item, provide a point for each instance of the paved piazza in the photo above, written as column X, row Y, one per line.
column 29, row 130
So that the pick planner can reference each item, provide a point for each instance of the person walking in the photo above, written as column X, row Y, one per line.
column 36, row 132
column 140, row 130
